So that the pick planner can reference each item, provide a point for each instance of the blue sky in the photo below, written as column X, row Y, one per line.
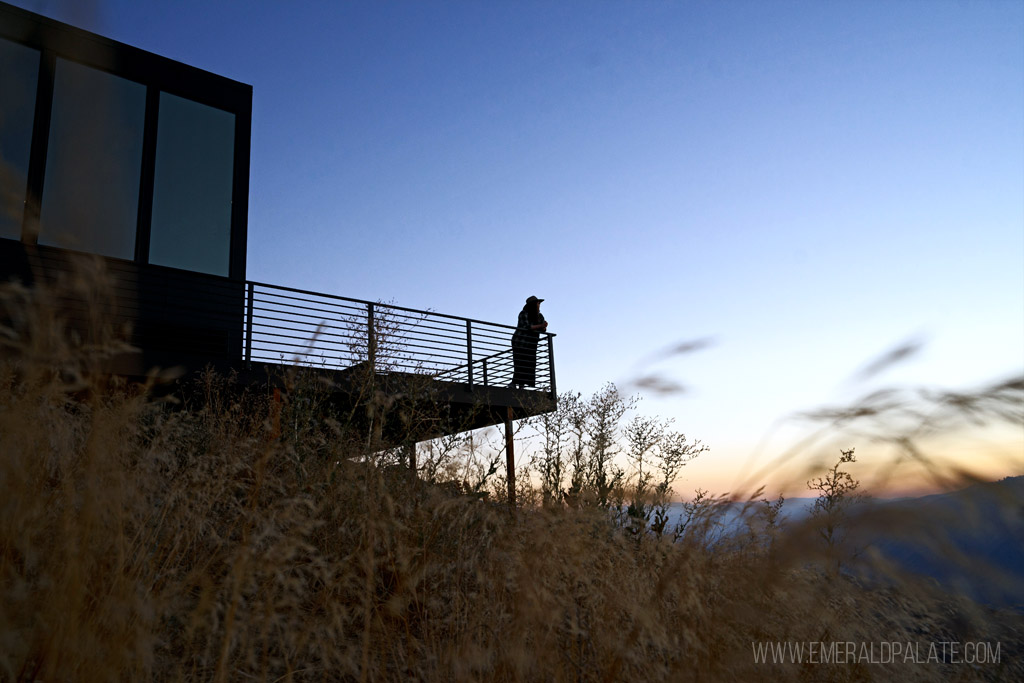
column 808, row 184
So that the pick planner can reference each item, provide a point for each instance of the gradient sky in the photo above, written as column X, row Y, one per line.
column 807, row 184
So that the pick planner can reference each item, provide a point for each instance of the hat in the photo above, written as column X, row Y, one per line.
column 533, row 300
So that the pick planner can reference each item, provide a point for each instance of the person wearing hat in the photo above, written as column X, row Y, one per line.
column 524, row 343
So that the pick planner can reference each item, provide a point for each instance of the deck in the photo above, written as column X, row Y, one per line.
column 179, row 319
column 461, row 366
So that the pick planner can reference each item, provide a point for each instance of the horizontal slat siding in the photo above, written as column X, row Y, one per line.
column 175, row 318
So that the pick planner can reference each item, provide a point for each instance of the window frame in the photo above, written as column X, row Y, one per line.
column 157, row 74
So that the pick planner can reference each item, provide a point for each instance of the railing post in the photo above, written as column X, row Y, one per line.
column 485, row 371
column 469, row 352
column 248, row 326
column 551, row 365
column 371, row 341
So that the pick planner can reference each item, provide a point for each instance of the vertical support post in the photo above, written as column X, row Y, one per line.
column 485, row 371
column 248, row 322
column 37, row 155
column 371, row 341
column 469, row 352
column 149, row 128
column 510, row 461
column 551, row 365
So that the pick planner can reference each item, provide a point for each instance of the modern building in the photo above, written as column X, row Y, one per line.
column 140, row 162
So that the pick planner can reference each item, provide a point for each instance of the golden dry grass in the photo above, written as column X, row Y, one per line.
column 141, row 540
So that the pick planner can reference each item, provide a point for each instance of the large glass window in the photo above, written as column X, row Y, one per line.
column 93, row 162
column 195, row 151
column 19, row 73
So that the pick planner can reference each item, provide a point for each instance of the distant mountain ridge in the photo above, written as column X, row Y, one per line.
column 969, row 541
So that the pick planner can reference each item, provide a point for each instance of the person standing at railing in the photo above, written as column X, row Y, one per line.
column 524, row 343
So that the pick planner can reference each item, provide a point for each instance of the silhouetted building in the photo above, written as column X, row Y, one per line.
column 143, row 163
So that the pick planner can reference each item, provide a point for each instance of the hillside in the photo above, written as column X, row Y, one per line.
column 970, row 540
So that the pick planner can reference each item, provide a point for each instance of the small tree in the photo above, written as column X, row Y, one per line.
column 604, row 411
column 582, row 439
column 439, row 458
column 576, row 415
column 673, row 454
column 643, row 436
column 836, row 492
column 557, row 448
column 694, row 511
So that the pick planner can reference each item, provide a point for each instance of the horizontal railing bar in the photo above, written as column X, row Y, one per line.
column 400, row 348
column 288, row 348
column 425, row 326
column 324, row 323
column 491, row 340
column 313, row 329
column 293, row 342
column 306, row 324
column 320, row 332
column 273, row 347
column 262, row 353
column 377, row 305
column 329, row 299
column 276, row 346
column 421, row 346
column 502, row 332
column 336, row 315
column 302, row 319
column 310, row 318
column 269, row 338
column 264, row 340
column 501, row 340
column 462, row 369
column 542, row 384
column 292, row 329
column 430, row 335
column 276, row 360
column 481, row 360
column 310, row 329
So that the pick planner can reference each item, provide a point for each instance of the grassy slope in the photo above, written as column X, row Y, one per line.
column 205, row 542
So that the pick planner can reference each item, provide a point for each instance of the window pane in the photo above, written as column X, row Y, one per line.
column 93, row 162
column 19, row 73
column 195, row 151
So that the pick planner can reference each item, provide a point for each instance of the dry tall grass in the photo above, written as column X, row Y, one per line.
column 141, row 540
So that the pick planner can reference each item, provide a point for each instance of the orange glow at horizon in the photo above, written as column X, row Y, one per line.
column 883, row 470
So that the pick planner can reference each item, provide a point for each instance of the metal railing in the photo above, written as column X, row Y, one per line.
column 291, row 326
